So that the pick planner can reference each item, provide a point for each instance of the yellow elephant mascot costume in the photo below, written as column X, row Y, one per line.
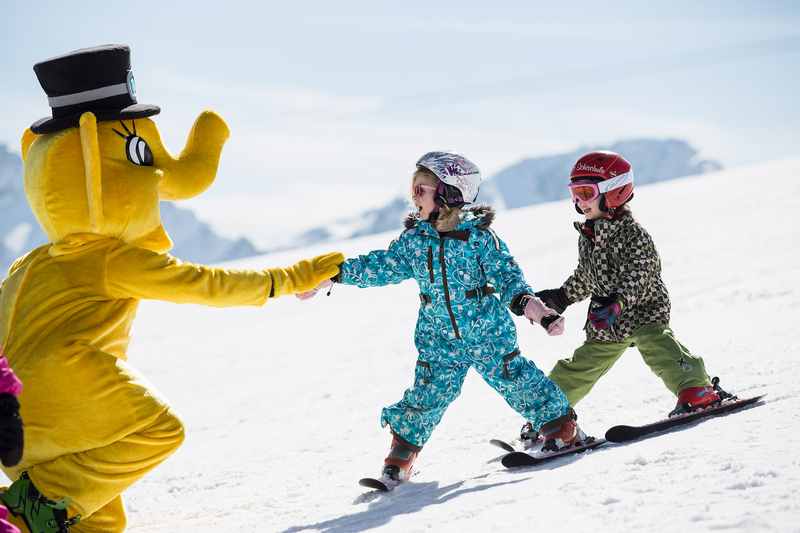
column 94, row 174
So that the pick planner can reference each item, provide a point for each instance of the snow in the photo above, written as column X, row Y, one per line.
column 281, row 403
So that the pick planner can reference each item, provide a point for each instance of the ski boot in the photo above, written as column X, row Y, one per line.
column 39, row 513
column 695, row 398
column 562, row 432
column 398, row 464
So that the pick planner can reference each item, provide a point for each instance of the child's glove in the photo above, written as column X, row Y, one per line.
column 11, row 435
column 554, row 299
column 313, row 292
column 604, row 312
column 305, row 275
column 538, row 313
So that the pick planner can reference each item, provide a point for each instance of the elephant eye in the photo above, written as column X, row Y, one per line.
column 136, row 149
column 138, row 152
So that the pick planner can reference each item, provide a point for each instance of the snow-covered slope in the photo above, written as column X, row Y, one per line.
column 281, row 403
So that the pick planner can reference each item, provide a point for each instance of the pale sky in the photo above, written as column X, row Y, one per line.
column 330, row 103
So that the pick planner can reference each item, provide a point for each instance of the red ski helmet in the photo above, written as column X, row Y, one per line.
column 612, row 172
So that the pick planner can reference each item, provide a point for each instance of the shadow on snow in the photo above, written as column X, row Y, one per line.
column 406, row 499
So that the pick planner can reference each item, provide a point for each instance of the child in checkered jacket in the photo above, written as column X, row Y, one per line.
column 619, row 268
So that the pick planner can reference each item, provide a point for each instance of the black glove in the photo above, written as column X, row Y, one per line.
column 555, row 299
column 11, row 436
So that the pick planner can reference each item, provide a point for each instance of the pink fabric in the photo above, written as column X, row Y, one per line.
column 556, row 328
column 313, row 292
column 9, row 382
column 5, row 526
column 535, row 311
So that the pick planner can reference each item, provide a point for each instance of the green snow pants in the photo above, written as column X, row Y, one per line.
column 667, row 358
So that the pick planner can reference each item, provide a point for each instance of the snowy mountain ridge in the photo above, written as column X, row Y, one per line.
column 529, row 182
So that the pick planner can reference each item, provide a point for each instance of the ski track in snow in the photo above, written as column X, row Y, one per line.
column 281, row 403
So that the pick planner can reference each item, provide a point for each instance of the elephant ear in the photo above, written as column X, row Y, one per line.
column 27, row 140
column 90, row 147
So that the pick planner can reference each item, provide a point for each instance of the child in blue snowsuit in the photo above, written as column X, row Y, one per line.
column 468, row 281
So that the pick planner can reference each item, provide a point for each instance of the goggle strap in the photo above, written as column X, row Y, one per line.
column 616, row 182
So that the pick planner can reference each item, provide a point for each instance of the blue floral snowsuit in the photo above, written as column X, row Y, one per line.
column 462, row 323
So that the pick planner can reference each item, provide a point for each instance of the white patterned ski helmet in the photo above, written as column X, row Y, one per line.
column 456, row 171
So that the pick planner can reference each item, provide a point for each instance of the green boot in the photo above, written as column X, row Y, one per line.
column 40, row 514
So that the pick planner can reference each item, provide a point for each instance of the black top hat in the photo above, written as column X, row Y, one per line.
column 95, row 79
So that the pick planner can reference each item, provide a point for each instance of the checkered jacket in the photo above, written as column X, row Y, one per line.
column 619, row 257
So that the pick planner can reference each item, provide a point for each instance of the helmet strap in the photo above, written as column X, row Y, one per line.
column 439, row 195
column 603, row 205
column 447, row 195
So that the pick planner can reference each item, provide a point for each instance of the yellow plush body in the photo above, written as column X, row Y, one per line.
column 93, row 425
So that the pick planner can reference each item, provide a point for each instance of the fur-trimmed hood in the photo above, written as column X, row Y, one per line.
column 483, row 214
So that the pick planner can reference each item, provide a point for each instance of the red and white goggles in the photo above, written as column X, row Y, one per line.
column 588, row 190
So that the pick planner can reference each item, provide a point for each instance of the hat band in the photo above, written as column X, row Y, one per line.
column 89, row 96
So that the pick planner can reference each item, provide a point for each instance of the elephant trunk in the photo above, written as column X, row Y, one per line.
column 196, row 167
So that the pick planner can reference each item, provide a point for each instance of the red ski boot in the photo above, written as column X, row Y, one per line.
column 694, row 398
column 562, row 432
column 398, row 464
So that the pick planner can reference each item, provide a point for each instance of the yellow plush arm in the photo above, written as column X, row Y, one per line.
column 304, row 275
column 133, row 272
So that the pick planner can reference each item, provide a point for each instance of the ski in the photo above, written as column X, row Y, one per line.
column 517, row 459
column 628, row 433
column 502, row 445
column 383, row 485
column 517, row 445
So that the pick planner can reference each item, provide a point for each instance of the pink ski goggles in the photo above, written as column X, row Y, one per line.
column 587, row 191
column 419, row 190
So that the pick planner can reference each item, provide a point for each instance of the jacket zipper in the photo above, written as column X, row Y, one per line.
column 430, row 262
column 446, row 290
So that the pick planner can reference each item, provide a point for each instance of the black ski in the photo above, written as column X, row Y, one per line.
column 517, row 445
column 503, row 445
column 384, row 485
column 629, row 433
column 517, row 459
